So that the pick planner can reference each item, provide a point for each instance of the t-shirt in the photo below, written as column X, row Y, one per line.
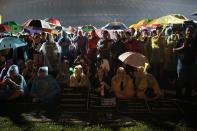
column 188, row 55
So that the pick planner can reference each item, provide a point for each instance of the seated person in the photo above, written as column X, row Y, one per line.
column 101, row 83
column 64, row 74
column 45, row 87
column 122, row 84
column 4, row 71
column 29, row 72
column 147, row 85
column 78, row 78
column 13, row 85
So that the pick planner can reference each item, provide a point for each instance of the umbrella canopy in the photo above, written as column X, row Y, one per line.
column 5, row 29
column 53, row 21
column 15, row 28
column 36, row 24
column 115, row 26
column 140, row 23
column 194, row 13
column 167, row 20
column 133, row 59
column 11, row 42
column 88, row 28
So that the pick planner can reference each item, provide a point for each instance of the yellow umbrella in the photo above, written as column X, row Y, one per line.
column 168, row 19
column 140, row 23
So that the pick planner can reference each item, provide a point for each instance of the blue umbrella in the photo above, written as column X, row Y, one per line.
column 194, row 13
column 11, row 42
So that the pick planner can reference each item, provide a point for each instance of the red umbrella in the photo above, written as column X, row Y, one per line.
column 5, row 28
column 53, row 21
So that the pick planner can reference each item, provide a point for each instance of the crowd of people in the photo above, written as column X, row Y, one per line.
column 55, row 62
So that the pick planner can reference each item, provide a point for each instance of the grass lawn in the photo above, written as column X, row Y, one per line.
column 7, row 124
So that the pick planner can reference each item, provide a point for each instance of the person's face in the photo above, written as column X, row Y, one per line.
column 13, row 74
column 105, row 35
column 188, row 33
column 66, row 65
column 100, row 72
column 80, row 33
column 42, row 75
column 158, row 31
column 78, row 72
column 93, row 34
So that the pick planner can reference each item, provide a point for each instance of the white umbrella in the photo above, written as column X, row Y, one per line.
column 133, row 59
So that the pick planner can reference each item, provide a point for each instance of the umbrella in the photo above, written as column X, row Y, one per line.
column 88, row 28
column 11, row 42
column 140, row 23
column 36, row 24
column 33, row 30
column 115, row 26
column 133, row 59
column 194, row 13
column 5, row 28
column 14, row 26
column 167, row 20
column 53, row 21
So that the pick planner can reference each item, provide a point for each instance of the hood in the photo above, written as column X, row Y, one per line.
column 13, row 68
column 44, row 69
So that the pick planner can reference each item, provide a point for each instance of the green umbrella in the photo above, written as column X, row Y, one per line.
column 88, row 28
column 14, row 26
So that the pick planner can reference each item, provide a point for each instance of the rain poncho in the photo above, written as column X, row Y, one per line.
column 9, row 89
column 47, row 89
column 146, row 83
column 51, row 52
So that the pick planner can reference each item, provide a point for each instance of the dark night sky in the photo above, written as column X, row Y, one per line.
column 97, row 12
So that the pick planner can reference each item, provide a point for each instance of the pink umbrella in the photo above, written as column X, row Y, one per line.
column 133, row 59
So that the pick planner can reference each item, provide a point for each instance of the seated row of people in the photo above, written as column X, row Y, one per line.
column 46, row 89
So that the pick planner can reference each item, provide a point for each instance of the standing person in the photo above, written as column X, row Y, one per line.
column 116, row 50
column 130, row 43
column 158, row 44
column 64, row 43
column 187, row 56
column 104, row 46
column 51, row 55
column 145, row 44
column 81, row 43
column 92, row 46
column 170, row 58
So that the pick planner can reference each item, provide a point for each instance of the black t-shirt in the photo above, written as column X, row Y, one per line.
column 188, row 54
